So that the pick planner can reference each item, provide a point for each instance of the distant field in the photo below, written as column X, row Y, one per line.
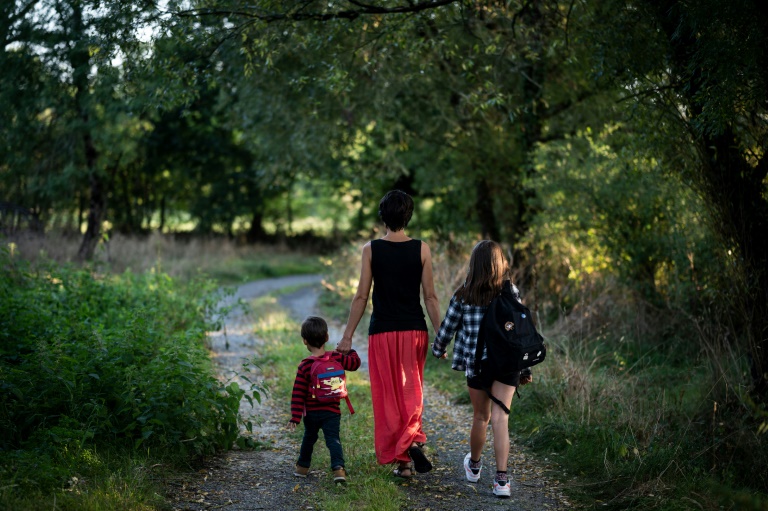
column 219, row 258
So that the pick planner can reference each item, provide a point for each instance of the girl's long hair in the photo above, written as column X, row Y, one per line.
column 488, row 269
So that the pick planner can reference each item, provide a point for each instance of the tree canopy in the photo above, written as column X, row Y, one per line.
column 630, row 135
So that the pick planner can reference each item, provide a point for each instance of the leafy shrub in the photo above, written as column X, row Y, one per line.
column 90, row 359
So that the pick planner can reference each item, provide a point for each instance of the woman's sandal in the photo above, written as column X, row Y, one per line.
column 401, row 472
column 420, row 461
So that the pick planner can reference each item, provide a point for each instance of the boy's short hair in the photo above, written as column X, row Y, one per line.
column 396, row 209
column 314, row 330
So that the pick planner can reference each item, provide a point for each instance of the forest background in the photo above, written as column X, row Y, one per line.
column 615, row 148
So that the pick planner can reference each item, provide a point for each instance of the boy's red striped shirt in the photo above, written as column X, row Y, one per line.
column 302, row 401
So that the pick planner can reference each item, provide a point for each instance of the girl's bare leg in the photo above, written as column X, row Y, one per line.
column 481, row 414
column 500, row 423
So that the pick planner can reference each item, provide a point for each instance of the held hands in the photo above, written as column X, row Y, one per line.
column 291, row 426
column 344, row 345
column 443, row 356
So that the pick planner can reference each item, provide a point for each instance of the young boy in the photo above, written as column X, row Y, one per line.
column 317, row 415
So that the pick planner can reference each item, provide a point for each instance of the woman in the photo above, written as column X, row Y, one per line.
column 488, row 270
column 396, row 266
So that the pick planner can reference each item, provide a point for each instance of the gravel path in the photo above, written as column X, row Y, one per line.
column 262, row 479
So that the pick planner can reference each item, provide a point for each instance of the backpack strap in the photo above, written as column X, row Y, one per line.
column 316, row 358
column 480, row 347
column 495, row 400
column 349, row 405
column 506, row 287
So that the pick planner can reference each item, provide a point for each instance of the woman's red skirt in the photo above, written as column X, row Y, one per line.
column 396, row 366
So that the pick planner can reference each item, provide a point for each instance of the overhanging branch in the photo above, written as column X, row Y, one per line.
column 363, row 9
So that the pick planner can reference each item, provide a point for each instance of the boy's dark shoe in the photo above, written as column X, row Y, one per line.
column 339, row 475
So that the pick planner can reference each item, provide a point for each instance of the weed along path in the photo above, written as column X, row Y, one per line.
column 263, row 478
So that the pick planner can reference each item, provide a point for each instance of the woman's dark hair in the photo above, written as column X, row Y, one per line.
column 395, row 209
column 488, row 269
column 314, row 330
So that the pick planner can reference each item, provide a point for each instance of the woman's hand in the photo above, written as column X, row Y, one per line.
column 344, row 345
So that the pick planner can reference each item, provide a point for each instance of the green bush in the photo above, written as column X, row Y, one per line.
column 90, row 360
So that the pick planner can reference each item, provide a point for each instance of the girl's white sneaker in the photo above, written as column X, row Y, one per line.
column 501, row 487
column 473, row 474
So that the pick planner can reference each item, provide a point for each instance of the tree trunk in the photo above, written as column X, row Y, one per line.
column 360, row 222
column 129, row 223
column 96, row 207
column 256, row 232
column 289, row 211
column 530, row 125
column 734, row 190
column 80, row 212
column 79, row 58
column 489, row 227
column 733, row 187
column 162, row 213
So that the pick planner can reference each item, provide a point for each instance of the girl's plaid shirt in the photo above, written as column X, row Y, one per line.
column 463, row 321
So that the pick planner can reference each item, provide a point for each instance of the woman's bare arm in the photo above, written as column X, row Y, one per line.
column 428, row 287
column 359, row 302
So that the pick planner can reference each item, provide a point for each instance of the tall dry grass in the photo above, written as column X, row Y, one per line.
column 175, row 257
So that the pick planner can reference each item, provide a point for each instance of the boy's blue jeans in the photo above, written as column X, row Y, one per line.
column 330, row 423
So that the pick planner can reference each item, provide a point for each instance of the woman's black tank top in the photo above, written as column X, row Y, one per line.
column 396, row 268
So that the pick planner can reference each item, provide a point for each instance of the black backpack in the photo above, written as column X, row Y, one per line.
column 508, row 331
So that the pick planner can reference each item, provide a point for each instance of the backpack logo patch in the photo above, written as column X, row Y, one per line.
column 334, row 385
column 509, row 326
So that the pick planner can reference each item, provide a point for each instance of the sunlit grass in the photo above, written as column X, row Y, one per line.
column 246, row 267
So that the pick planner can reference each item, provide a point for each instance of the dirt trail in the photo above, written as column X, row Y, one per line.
column 254, row 480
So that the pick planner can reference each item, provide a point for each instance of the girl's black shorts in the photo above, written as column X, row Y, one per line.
column 484, row 382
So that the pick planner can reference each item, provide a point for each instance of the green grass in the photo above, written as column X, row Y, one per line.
column 635, row 430
column 245, row 268
column 370, row 485
column 110, row 480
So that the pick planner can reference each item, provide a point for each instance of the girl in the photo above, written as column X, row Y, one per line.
column 488, row 269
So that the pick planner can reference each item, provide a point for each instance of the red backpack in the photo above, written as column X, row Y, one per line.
column 328, row 381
